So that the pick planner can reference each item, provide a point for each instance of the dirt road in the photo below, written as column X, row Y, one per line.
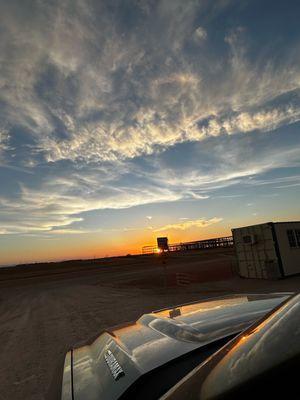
column 40, row 320
column 38, row 324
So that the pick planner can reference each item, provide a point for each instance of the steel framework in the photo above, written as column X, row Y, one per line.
column 214, row 243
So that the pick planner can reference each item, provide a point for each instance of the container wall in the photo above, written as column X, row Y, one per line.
column 255, row 250
column 289, row 246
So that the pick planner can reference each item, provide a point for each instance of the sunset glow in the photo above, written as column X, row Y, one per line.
column 121, row 121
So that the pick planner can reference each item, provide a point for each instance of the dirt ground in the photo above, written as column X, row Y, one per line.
column 44, row 315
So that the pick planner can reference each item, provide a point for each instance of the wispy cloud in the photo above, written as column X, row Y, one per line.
column 288, row 186
column 4, row 138
column 57, row 205
column 292, row 180
column 200, row 34
column 196, row 223
column 108, row 100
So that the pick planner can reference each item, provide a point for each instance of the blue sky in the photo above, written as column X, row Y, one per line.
column 122, row 120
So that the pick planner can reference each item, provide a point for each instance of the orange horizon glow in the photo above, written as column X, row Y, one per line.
column 87, row 246
column 106, row 244
column 112, row 137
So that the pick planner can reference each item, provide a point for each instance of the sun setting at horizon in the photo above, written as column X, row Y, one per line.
column 149, row 199
column 121, row 121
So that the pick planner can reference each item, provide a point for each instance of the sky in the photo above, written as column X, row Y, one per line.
column 121, row 121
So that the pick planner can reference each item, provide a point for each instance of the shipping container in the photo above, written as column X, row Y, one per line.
column 268, row 251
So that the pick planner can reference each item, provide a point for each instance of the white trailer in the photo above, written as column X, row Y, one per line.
column 268, row 251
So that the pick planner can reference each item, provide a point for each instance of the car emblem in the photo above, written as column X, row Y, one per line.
column 113, row 365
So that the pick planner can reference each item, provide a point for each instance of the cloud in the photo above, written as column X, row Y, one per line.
column 288, row 186
column 150, row 131
column 101, row 89
column 293, row 180
column 61, row 203
column 96, row 95
column 197, row 223
column 200, row 34
column 4, row 139
column 60, row 200
column 220, row 163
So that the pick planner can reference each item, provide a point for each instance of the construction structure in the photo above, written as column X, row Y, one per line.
column 269, row 250
column 197, row 245
column 162, row 244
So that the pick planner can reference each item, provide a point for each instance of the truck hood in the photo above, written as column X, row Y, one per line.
column 106, row 368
